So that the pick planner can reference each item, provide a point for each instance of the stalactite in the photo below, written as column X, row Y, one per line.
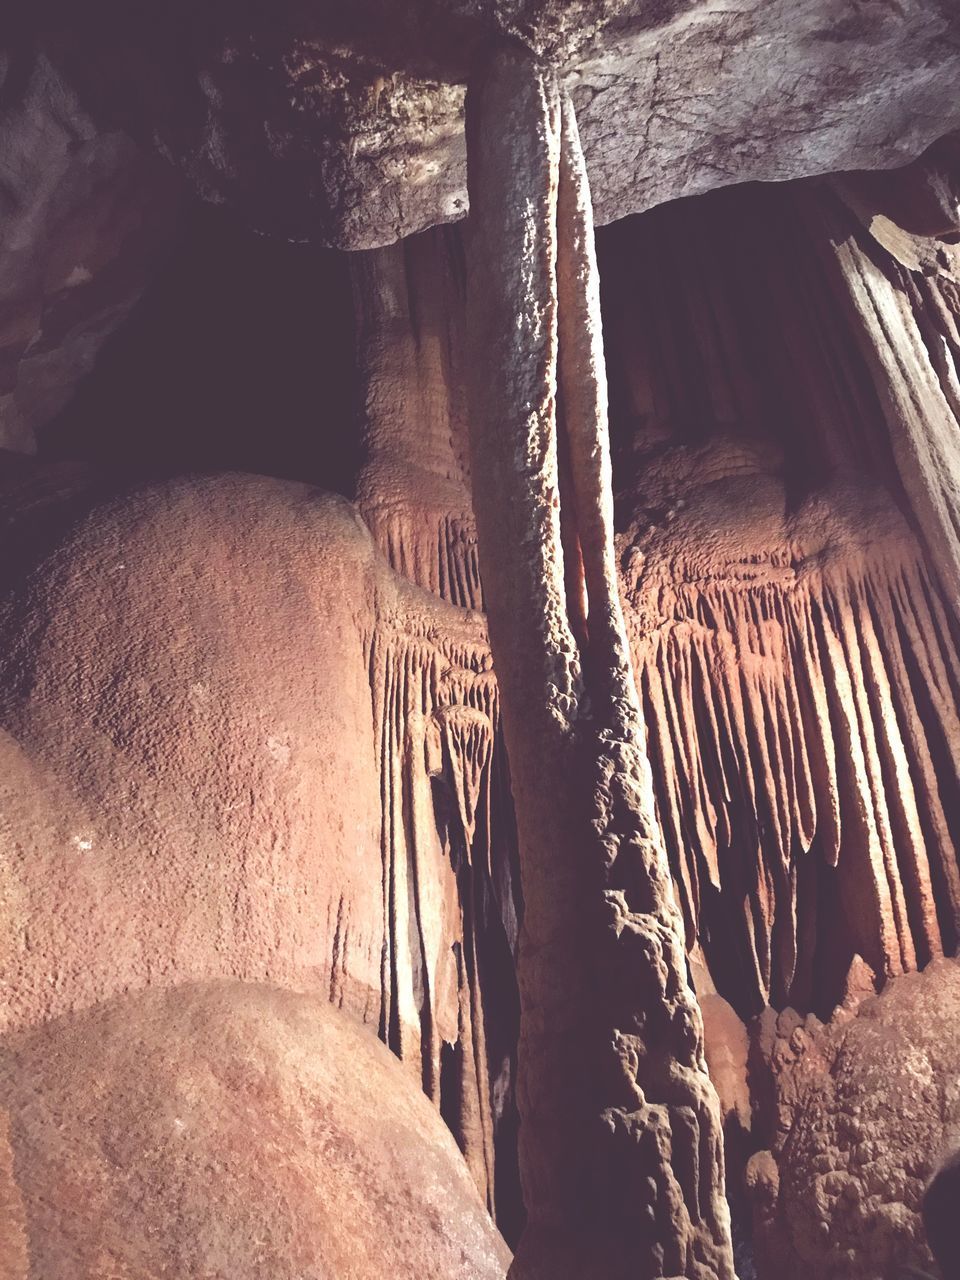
column 787, row 715
column 621, row 1151
column 794, row 645
column 436, row 714
column 439, row 553
column 414, row 488
column 905, row 326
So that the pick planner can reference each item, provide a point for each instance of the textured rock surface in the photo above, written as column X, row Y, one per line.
column 865, row 1109
column 621, row 1153
column 414, row 486
column 235, row 744
column 227, row 1130
column 793, row 643
column 84, row 219
column 905, row 315
column 344, row 123
column 185, row 670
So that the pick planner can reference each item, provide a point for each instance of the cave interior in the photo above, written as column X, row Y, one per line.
column 480, row 640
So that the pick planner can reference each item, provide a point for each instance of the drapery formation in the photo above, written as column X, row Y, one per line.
column 803, row 729
column 448, row 891
column 414, row 488
column 784, row 393
column 795, row 645
column 621, row 1150
column 449, row 844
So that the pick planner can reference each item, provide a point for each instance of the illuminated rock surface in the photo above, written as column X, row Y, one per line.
column 227, row 1129
column 253, row 732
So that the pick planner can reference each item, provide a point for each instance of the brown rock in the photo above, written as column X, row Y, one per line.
column 190, row 787
column 621, row 1138
column 789, row 631
column 867, row 1108
column 726, row 1046
column 234, row 744
column 85, row 217
column 230, row 1131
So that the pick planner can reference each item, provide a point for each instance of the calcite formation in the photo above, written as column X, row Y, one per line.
column 173, row 785
column 862, row 1112
column 414, row 485
column 614, row 1092
column 227, row 1128
column 597, row 750
column 794, row 645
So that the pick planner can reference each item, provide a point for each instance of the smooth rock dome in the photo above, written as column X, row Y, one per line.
column 227, row 1131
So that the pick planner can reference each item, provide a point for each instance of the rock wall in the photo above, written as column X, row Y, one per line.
column 796, row 649
column 226, row 1128
column 795, row 646
column 345, row 124
column 414, row 485
column 862, row 1113
column 236, row 745
column 85, row 220
column 791, row 619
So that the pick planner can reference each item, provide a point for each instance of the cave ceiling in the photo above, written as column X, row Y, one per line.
column 343, row 123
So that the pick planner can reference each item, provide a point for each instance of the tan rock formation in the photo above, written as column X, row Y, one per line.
column 414, row 486
column 621, row 1147
column 866, row 1108
column 228, row 1129
column 905, row 318
column 238, row 742
column 222, row 714
column 793, row 642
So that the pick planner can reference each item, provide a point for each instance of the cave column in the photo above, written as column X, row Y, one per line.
column 621, row 1145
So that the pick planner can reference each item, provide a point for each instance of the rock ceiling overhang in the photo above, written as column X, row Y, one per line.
column 341, row 121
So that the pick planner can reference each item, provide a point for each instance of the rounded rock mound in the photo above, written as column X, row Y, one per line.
column 227, row 1131
column 867, row 1108
column 188, row 779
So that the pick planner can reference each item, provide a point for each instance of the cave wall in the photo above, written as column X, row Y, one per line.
column 344, row 124
column 795, row 644
column 86, row 219
column 414, row 484
column 298, row 774
column 182, row 801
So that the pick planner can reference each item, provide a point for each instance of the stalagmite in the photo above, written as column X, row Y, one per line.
column 621, row 1148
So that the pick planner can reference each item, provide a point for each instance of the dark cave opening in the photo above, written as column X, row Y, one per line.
column 240, row 356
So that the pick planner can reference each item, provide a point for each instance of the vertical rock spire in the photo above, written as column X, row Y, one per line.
column 621, row 1147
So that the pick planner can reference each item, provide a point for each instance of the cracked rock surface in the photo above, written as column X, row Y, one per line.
column 343, row 124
